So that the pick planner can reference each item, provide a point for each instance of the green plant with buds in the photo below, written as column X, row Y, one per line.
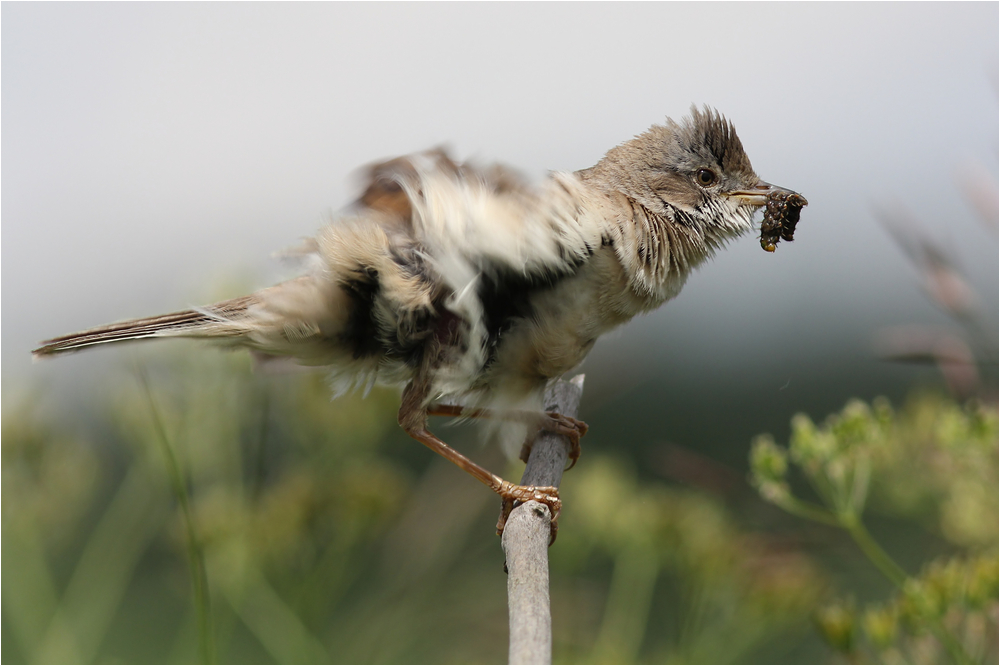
column 935, row 462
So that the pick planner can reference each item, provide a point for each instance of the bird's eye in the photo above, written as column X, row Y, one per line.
column 705, row 177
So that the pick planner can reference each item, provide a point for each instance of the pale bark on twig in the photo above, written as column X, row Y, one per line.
column 526, row 537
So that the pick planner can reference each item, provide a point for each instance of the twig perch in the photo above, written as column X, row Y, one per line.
column 526, row 538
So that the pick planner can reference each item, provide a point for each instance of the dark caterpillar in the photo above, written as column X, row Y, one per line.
column 780, row 217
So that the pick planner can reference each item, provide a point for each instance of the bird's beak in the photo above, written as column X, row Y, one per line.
column 760, row 194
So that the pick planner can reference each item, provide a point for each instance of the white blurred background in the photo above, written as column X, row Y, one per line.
column 154, row 153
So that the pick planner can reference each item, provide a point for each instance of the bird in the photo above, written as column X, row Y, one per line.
column 472, row 288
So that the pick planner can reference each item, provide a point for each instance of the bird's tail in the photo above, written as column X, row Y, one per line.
column 220, row 320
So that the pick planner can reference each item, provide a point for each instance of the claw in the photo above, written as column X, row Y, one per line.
column 567, row 426
column 513, row 495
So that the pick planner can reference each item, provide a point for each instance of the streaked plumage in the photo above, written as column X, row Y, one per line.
column 474, row 287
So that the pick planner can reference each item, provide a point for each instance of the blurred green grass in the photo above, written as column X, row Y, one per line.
column 328, row 536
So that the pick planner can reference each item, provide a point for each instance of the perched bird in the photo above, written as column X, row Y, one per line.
column 474, row 289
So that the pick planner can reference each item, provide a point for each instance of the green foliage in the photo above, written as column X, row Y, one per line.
column 315, row 531
column 717, row 579
column 320, row 533
column 936, row 463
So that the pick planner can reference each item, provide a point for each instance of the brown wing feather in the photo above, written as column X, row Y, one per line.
column 383, row 190
column 382, row 182
column 188, row 323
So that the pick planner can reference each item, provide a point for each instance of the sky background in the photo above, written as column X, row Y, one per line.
column 154, row 156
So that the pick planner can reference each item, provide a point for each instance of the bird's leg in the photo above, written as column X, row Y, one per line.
column 571, row 428
column 460, row 411
column 413, row 419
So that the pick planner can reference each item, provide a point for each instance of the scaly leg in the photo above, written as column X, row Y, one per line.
column 413, row 419
column 571, row 428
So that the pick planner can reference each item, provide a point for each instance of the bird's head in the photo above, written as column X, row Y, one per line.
column 694, row 172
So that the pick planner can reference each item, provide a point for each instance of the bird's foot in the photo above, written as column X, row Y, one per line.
column 512, row 495
column 567, row 426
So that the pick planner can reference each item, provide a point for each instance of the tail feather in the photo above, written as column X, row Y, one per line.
column 217, row 320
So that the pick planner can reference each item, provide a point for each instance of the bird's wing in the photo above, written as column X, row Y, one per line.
column 486, row 219
column 438, row 236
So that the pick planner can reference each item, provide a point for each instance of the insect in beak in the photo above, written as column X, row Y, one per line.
column 781, row 213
